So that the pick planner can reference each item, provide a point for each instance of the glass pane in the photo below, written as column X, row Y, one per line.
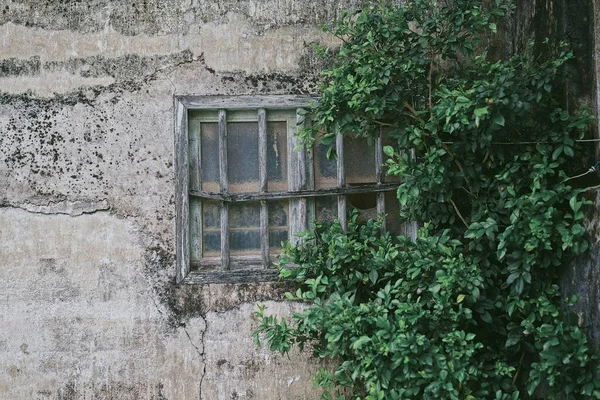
column 211, row 229
column 194, row 153
column 244, row 228
column 325, row 169
column 362, row 201
column 359, row 161
column 326, row 208
column 392, row 211
column 277, row 156
column 278, row 224
column 210, row 156
column 242, row 156
column 195, row 222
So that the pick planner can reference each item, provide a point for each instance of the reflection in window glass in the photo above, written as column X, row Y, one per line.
column 326, row 208
column 242, row 156
column 211, row 229
column 277, row 156
column 325, row 169
column 244, row 228
column 359, row 160
column 392, row 210
column 278, row 225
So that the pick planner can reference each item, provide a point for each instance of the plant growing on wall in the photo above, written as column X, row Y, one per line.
column 470, row 309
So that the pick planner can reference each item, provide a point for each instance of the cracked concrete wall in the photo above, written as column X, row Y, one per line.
column 89, row 308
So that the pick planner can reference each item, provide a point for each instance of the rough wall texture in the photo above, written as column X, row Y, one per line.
column 89, row 308
column 88, row 305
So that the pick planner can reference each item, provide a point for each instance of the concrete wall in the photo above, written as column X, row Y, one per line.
column 88, row 304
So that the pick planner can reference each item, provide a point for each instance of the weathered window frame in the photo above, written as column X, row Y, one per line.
column 300, row 183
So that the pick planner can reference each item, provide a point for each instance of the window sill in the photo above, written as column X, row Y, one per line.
column 231, row 276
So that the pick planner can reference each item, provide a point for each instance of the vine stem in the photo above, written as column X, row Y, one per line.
column 591, row 188
column 580, row 175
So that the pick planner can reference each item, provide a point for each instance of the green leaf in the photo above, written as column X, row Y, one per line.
column 388, row 150
column 481, row 111
column 498, row 119
column 373, row 275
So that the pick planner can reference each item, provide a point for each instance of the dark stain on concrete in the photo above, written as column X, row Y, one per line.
column 162, row 17
column 127, row 67
column 282, row 83
column 20, row 67
column 72, row 390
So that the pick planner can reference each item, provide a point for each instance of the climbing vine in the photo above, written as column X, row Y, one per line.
column 484, row 150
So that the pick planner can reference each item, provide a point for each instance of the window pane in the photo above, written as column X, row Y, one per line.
column 277, row 156
column 278, row 224
column 244, row 228
column 365, row 203
column 326, row 208
column 209, row 143
column 195, row 226
column 392, row 211
column 211, row 229
column 325, row 169
column 242, row 156
column 359, row 161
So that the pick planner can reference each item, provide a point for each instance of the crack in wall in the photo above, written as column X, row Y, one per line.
column 201, row 353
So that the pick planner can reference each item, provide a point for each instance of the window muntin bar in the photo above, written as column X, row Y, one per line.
column 224, row 189
column 262, row 173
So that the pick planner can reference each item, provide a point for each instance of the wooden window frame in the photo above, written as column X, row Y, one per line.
column 300, row 183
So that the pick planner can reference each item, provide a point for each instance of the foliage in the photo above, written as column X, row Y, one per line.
column 470, row 309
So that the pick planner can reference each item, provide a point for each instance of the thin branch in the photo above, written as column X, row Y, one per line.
column 459, row 214
column 413, row 111
column 342, row 39
column 458, row 164
column 519, row 370
column 463, row 188
column 485, row 158
column 381, row 123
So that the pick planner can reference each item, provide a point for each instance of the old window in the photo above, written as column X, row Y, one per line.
column 244, row 184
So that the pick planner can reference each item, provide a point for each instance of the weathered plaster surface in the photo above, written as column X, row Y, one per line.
column 89, row 308
column 88, row 304
column 78, row 314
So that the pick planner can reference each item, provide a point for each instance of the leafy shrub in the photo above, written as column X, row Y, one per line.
column 470, row 309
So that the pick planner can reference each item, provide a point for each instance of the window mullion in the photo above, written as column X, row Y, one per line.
column 296, row 178
column 341, row 179
column 224, row 189
column 310, row 184
column 379, row 175
column 262, row 173
column 195, row 206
